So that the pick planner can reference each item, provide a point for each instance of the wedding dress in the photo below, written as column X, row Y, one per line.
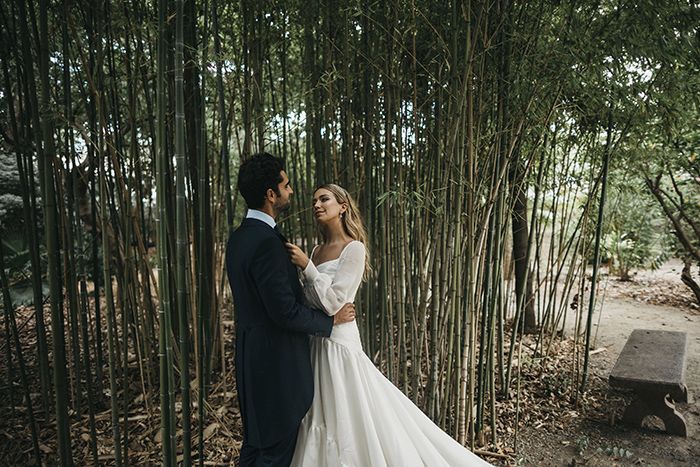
column 358, row 418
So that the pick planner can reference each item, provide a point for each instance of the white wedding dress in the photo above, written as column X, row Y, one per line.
column 358, row 418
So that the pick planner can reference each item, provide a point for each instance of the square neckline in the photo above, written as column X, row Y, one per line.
column 334, row 259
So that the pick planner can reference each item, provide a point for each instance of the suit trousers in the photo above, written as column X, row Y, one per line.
column 277, row 455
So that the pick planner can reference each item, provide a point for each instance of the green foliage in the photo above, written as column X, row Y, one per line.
column 411, row 105
column 635, row 233
column 582, row 444
column 10, row 209
column 18, row 268
column 16, row 253
column 12, row 228
column 22, row 293
column 10, row 194
column 555, row 385
column 666, row 151
column 616, row 452
column 418, row 200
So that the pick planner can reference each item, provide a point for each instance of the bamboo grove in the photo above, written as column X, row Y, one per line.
column 475, row 135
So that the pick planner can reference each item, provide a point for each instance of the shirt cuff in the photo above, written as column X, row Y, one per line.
column 310, row 272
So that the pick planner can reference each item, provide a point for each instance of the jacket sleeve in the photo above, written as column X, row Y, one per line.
column 331, row 293
column 269, row 271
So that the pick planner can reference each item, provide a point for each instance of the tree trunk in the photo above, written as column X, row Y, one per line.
column 688, row 280
column 523, row 280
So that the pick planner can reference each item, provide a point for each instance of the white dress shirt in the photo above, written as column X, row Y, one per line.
column 261, row 216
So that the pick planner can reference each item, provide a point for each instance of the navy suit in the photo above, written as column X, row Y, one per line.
column 273, row 366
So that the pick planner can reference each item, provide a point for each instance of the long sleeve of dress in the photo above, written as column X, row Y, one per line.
column 332, row 292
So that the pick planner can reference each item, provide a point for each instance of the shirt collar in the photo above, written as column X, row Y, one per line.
column 261, row 216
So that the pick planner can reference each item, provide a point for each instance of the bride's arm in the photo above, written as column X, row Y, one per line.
column 334, row 292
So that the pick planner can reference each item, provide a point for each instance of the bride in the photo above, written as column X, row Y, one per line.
column 358, row 418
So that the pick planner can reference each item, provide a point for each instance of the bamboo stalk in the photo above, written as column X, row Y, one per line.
column 29, row 201
column 46, row 165
column 10, row 317
column 596, row 248
column 182, row 238
column 164, row 350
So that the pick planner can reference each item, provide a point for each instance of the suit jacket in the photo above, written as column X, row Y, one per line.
column 273, row 363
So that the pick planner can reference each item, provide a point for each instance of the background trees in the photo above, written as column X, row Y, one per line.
column 473, row 134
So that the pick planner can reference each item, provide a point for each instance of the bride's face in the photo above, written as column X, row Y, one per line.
column 326, row 206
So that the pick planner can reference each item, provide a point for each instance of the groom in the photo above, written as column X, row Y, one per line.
column 273, row 365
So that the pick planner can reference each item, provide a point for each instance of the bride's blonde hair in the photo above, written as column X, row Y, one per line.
column 351, row 220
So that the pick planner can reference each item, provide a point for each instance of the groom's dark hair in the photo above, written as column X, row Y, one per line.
column 258, row 174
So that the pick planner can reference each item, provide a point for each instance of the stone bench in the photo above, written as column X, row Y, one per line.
column 652, row 363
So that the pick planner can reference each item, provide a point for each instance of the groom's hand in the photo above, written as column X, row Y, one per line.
column 345, row 315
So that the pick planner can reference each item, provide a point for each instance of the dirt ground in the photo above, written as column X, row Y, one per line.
column 591, row 436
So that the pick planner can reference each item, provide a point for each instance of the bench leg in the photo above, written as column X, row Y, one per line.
column 682, row 396
column 655, row 403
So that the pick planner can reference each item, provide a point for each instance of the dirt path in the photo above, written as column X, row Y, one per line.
column 589, row 439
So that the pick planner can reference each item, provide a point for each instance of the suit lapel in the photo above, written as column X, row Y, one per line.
column 291, row 269
column 279, row 234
